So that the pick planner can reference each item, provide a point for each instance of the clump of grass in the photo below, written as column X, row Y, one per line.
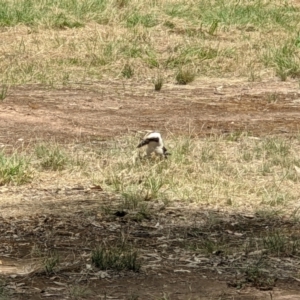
column 259, row 278
column 3, row 92
column 153, row 186
column 285, row 60
column 281, row 245
column 127, row 71
column 132, row 199
column 115, row 258
column 147, row 20
column 185, row 76
column 79, row 292
column 158, row 83
column 121, row 3
column 51, row 262
column 4, row 293
column 213, row 27
column 14, row 169
column 207, row 246
column 52, row 157
column 272, row 147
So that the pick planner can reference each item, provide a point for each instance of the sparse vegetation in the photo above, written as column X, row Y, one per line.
column 158, row 83
column 79, row 292
column 127, row 71
column 115, row 258
column 51, row 262
column 258, row 277
column 227, row 201
column 185, row 76
column 51, row 157
column 211, row 170
column 281, row 244
column 14, row 169
column 3, row 92
column 285, row 59
column 2, row 289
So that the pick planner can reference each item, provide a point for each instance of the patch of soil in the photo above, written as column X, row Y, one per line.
column 171, row 266
column 73, row 221
column 108, row 109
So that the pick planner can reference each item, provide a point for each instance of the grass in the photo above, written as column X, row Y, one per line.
column 79, row 292
column 209, row 172
column 280, row 244
column 233, row 171
column 73, row 41
column 257, row 276
column 115, row 258
column 4, row 292
column 127, row 71
column 3, row 92
column 285, row 59
column 185, row 76
column 158, row 83
column 51, row 157
column 14, row 169
column 51, row 262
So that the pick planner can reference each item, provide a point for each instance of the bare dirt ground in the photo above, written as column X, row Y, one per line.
column 108, row 109
column 71, row 219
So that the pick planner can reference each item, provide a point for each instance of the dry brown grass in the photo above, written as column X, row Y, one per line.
column 236, row 172
column 162, row 35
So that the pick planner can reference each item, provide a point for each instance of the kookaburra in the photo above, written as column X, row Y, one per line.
column 155, row 145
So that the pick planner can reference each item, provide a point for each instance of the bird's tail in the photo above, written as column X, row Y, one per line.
column 142, row 143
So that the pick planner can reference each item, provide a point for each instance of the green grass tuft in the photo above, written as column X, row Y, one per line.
column 115, row 258
column 52, row 157
column 185, row 76
column 14, row 169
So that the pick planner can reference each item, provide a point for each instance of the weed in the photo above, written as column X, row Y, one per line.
column 14, row 169
column 121, row 3
column 266, row 168
column 272, row 98
column 3, row 92
column 79, row 292
column 281, row 244
column 213, row 27
column 133, row 296
column 142, row 214
column 285, row 60
column 257, row 276
column 132, row 199
column 272, row 149
column 61, row 21
column 164, row 297
column 51, row 262
column 147, row 20
column 127, row 71
column 115, row 258
column 185, row 76
column 153, row 185
column 169, row 24
column 178, row 10
column 207, row 153
column 4, row 294
column 51, row 157
column 158, row 83
column 235, row 136
column 247, row 156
